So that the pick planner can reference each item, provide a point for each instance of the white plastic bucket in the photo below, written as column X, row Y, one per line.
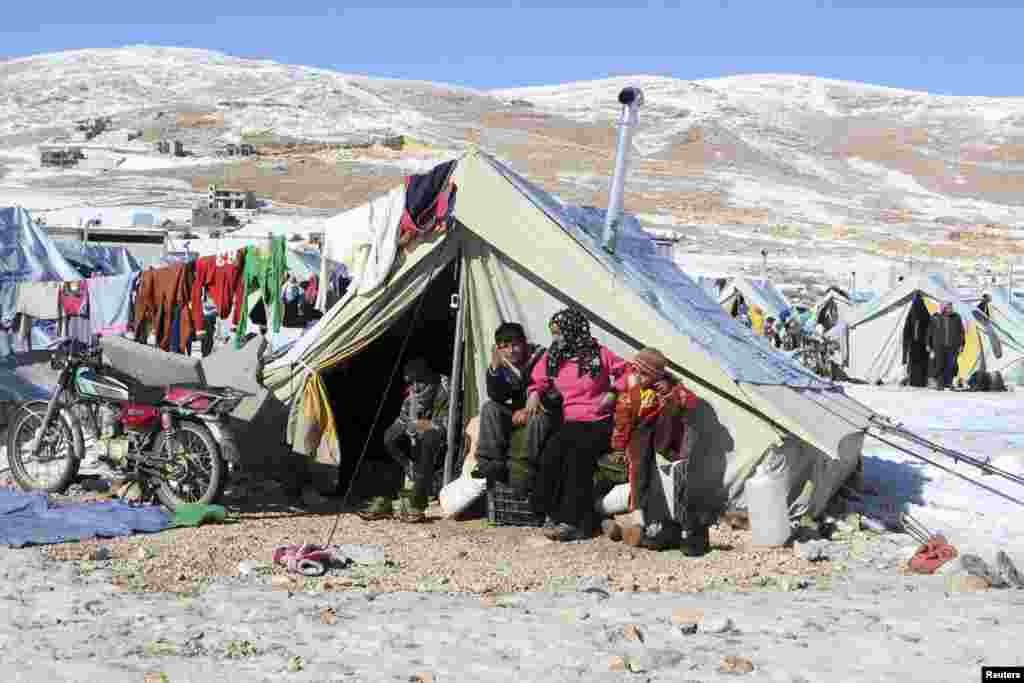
column 615, row 502
column 459, row 494
column 766, row 494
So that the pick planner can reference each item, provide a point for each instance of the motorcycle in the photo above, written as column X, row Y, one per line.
column 173, row 439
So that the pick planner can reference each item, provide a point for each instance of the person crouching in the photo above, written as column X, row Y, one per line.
column 650, row 432
column 416, row 439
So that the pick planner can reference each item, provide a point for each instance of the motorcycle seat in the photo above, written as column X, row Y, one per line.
column 141, row 393
column 194, row 386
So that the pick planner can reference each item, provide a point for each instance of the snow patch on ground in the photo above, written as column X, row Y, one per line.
column 979, row 425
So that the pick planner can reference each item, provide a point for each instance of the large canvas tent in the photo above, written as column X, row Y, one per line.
column 523, row 255
column 755, row 292
column 874, row 334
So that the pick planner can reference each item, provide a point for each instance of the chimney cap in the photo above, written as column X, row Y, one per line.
column 630, row 95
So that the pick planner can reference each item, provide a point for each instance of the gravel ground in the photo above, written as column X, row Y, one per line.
column 59, row 624
column 467, row 556
column 466, row 601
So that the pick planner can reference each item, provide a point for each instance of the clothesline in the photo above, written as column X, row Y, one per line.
column 171, row 300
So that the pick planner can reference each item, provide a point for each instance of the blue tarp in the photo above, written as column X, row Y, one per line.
column 29, row 519
column 671, row 293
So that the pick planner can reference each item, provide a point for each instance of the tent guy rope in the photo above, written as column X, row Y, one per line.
column 380, row 406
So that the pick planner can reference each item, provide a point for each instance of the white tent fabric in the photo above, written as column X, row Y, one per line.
column 365, row 239
column 514, row 242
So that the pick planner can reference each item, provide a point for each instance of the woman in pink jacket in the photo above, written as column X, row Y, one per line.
column 581, row 370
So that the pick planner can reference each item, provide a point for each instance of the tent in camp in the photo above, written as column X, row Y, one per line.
column 833, row 307
column 27, row 254
column 874, row 334
column 712, row 285
column 517, row 253
column 1007, row 320
column 97, row 258
column 757, row 292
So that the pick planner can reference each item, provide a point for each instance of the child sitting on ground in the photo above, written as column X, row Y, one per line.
column 650, row 428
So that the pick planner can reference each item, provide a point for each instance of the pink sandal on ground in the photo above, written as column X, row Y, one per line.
column 306, row 559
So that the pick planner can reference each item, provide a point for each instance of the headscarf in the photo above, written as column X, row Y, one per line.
column 576, row 344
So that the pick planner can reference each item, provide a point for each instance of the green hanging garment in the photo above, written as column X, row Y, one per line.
column 264, row 274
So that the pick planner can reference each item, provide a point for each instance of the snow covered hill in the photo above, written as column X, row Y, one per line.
column 54, row 90
column 818, row 150
column 801, row 163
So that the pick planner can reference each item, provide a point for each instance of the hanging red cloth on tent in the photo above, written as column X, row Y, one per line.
column 429, row 203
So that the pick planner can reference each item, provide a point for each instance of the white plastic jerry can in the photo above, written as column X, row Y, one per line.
column 767, row 505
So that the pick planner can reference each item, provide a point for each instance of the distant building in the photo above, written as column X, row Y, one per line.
column 175, row 147
column 224, row 207
column 90, row 128
column 60, row 157
column 222, row 198
column 242, row 150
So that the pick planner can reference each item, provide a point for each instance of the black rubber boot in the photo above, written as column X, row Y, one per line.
column 696, row 540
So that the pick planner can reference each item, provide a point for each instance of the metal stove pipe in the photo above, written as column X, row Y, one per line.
column 630, row 99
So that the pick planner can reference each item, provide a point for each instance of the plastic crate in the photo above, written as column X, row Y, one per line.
column 506, row 507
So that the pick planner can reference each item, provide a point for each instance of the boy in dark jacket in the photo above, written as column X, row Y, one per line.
column 508, row 376
column 416, row 439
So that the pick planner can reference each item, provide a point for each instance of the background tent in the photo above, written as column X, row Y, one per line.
column 833, row 307
column 711, row 285
column 755, row 292
column 27, row 254
column 1007, row 322
column 512, row 242
column 96, row 258
column 874, row 336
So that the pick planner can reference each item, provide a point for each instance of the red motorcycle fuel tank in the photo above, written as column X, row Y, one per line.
column 140, row 418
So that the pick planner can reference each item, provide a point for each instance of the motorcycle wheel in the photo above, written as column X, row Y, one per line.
column 190, row 447
column 65, row 430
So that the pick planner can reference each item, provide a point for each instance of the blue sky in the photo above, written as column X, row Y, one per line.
column 938, row 47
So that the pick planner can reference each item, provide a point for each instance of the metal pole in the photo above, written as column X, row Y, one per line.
column 456, row 378
column 630, row 99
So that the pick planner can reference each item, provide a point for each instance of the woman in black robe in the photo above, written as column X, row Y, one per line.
column 915, row 342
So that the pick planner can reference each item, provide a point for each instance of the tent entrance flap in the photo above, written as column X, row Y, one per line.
column 356, row 386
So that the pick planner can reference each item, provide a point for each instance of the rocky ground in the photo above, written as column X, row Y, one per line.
column 69, row 621
column 468, row 601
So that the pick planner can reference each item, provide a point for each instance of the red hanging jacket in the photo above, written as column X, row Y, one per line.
column 220, row 276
